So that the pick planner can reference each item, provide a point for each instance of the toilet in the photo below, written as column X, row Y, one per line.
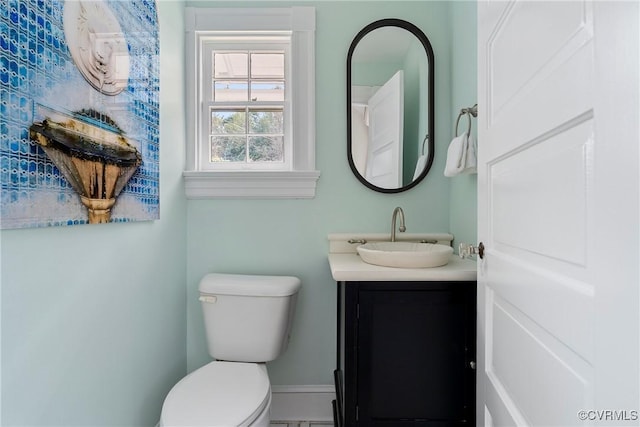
column 247, row 321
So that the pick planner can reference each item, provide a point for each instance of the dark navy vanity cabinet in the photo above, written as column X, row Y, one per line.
column 405, row 353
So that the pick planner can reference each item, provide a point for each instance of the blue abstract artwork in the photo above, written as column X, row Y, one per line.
column 79, row 112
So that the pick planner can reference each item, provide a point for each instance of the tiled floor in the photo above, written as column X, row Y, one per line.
column 300, row 423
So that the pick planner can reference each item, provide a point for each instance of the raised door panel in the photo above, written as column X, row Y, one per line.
column 386, row 124
column 552, row 292
column 538, row 302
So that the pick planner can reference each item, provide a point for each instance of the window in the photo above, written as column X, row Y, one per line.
column 250, row 112
column 246, row 105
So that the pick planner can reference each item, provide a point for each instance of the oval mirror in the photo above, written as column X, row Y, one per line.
column 390, row 105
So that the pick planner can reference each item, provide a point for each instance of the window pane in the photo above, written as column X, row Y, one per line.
column 224, row 90
column 230, row 65
column 266, row 149
column 267, row 66
column 228, row 149
column 242, row 130
column 228, row 122
column 261, row 122
column 267, row 91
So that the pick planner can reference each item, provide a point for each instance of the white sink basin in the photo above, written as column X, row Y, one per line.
column 405, row 254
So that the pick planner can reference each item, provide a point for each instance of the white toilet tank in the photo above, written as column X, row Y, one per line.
column 248, row 318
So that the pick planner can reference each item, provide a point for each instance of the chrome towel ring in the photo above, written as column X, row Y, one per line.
column 471, row 111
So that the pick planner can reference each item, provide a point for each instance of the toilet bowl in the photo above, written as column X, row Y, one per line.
column 247, row 322
column 222, row 394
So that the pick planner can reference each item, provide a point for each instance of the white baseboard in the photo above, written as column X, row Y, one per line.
column 302, row 402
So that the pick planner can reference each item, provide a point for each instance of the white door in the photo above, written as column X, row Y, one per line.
column 558, row 187
column 386, row 124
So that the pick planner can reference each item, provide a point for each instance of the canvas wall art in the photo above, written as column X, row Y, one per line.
column 79, row 112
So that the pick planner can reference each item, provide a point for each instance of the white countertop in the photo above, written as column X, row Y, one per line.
column 346, row 264
column 349, row 267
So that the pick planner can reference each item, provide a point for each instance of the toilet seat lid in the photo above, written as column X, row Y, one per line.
column 218, row 394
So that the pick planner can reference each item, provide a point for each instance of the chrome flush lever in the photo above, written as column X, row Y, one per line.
column 465, row 250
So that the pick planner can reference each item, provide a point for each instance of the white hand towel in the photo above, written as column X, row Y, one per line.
column 461, row 156
column 456, row 155
column 471, row 161
column 420, row 164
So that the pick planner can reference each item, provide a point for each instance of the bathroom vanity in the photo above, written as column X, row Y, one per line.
column 406, row 338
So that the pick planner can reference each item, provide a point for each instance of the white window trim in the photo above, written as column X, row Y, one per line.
column 300, row 182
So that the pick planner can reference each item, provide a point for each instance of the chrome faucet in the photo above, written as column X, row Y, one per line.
column 402, row 228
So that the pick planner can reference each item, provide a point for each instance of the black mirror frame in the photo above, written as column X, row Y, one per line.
column 417, row 32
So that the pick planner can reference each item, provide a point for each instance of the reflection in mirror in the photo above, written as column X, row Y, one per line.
column 390, row 105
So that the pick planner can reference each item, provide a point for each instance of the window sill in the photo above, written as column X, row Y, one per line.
column 250, row 184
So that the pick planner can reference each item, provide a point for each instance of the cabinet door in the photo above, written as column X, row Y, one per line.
column 415, row 352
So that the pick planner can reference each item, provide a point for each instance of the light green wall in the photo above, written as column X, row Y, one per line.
column 98, row 322
column 290, row 237
column 463, row 198
column 93, row 316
